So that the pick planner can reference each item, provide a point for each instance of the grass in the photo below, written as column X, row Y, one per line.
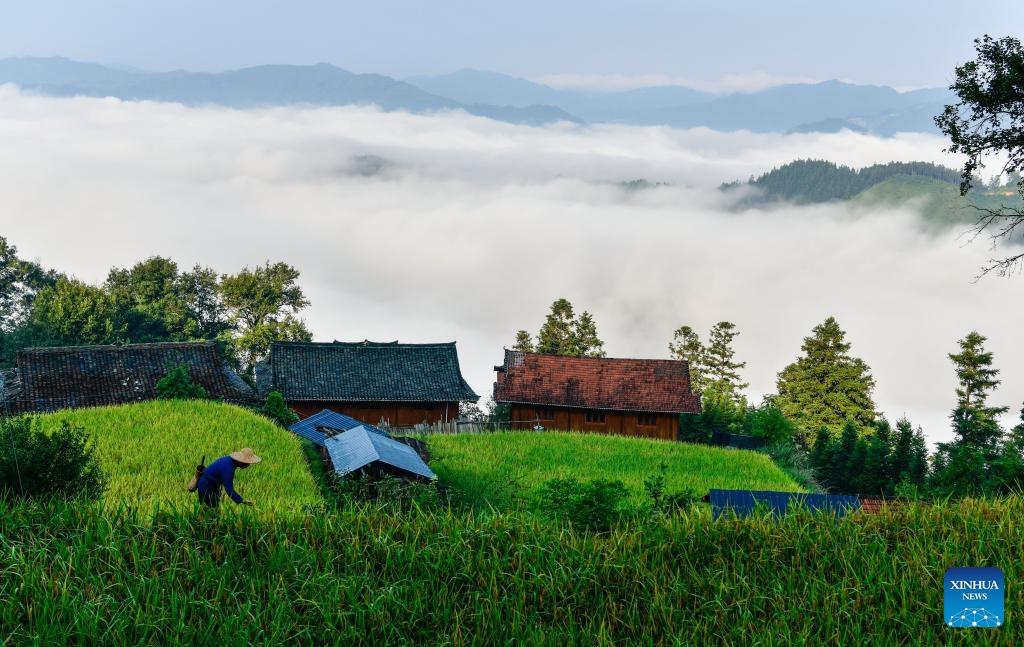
column 362, row 576
column 503, row 470
column 148, row 451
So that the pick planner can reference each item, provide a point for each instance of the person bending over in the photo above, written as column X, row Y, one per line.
column 221, row 474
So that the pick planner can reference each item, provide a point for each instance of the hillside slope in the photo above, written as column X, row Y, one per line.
column 505, row 469
column 149, row 450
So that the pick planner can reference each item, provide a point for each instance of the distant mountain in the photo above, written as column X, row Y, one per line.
column 829, row 106
column 265, row 85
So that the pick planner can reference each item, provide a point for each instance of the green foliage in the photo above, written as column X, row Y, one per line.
column 880, row 463
column 712, row 367
column 523, row 344
column 664, row 502
column 387, row 492
column 275, row 408
column 686, row 345
column 503, row 470
column 988, row 121
column 826, row 386
column 261, row 305
column 792, row 459
column 70, row 313
column 20, row 281
column 85, row 575
column 148, row 451
column 969, row 464
column 565, row 334
column 593, row 505
column 812, row 181
column 178, row 385
column 35, row 464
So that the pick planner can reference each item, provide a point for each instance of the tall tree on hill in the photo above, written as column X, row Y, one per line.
column 720, row 366
column 988, row 121
column 72, row 313
column 966, row 465
column 686, row 345
column 563, row 333
column 826, row 386
column 20, row 281
column 261, row 305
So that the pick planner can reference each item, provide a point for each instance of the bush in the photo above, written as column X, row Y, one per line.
column 668, row 503
column 178, row 385
column 595, row 505
column 35, row 464
column 387, row 491
column 794, row 461
column 275, row 409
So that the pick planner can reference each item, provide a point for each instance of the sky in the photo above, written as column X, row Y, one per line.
column 716, row 46
column 475, row 227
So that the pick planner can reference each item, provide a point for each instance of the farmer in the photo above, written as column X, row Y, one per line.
column 221, row 472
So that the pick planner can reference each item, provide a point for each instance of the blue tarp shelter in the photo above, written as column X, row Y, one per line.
column 307, row 428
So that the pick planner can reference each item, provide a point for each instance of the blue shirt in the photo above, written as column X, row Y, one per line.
column 220, row 472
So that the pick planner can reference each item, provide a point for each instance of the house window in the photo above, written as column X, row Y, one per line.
column 647, row 420
column 545, row 414
column 595, row 416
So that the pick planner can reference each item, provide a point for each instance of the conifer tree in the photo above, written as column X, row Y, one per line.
column 556, row 335
column 720, row 367
column 524, row 343
column 686, row 345
column 826, row 386
column 585, row 340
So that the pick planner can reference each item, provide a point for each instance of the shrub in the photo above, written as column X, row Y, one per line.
column 386, row 491
column 178, row 385
column 275, row 409
column 35, row 464
column 668, row 503
column 595, row 505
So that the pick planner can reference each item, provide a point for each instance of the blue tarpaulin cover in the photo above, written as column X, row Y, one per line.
column 744, row 502
column 357, row 448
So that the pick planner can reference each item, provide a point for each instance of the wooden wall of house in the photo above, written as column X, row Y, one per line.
column 625, row 423
column 397, row 414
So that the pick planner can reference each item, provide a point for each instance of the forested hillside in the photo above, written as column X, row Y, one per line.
column 810, row 181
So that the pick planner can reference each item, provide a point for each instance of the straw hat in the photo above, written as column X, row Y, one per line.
column 245, row 455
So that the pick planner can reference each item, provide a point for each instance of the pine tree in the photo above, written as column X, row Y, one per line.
column 841, row 464
column 586, row 341
column 556, row 335
column 524, row 344
column 686, row 345
column 876, row 476
column 720, row 367
column 826, row 386
column 903, row 450
column 968, row 463
column 821, row 458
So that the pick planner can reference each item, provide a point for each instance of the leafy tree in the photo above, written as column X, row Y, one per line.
column 968, row 462
column 988, row 120
column 686, row 345
column 261, row 305
column 148, row 296
column 565, row 334
column 826, row 386
column 178, row 385
column 524, row 343
column 277, row 410
column 71, row 313
column 20, row 281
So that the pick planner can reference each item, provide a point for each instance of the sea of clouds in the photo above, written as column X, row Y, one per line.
column 431, row 228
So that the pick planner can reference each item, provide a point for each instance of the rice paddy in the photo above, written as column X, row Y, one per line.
column 504, row 469
column 148, row 451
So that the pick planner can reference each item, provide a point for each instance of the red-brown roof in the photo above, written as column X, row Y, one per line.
column 656, row 385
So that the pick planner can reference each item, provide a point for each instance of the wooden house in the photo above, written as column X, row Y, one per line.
column 632, row 397
column 48, row 379
column 399, row 384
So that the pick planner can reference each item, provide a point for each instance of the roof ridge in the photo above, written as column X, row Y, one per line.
column 105, row 347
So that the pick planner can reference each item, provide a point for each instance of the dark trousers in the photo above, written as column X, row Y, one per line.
column 210, row 497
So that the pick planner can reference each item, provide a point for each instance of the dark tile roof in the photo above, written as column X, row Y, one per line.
column 364, row 371
column 84, row 376
column 875, row 504
column 744, row 502
column 656, row 385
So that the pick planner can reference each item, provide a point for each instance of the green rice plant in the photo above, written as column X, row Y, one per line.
column 366, row 576
column 506, row 469
column 148, row 451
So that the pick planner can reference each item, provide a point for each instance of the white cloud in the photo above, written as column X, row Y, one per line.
column 726, row 84
column 475, row 227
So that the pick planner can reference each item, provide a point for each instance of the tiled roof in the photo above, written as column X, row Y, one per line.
column 744, row 502
column 656, row 385
column 310, row 428
column 357, row 448
column 83, row 376
column 875, row 504
column 365, row 371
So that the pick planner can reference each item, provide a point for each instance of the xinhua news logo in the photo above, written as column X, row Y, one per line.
column 974, row 597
